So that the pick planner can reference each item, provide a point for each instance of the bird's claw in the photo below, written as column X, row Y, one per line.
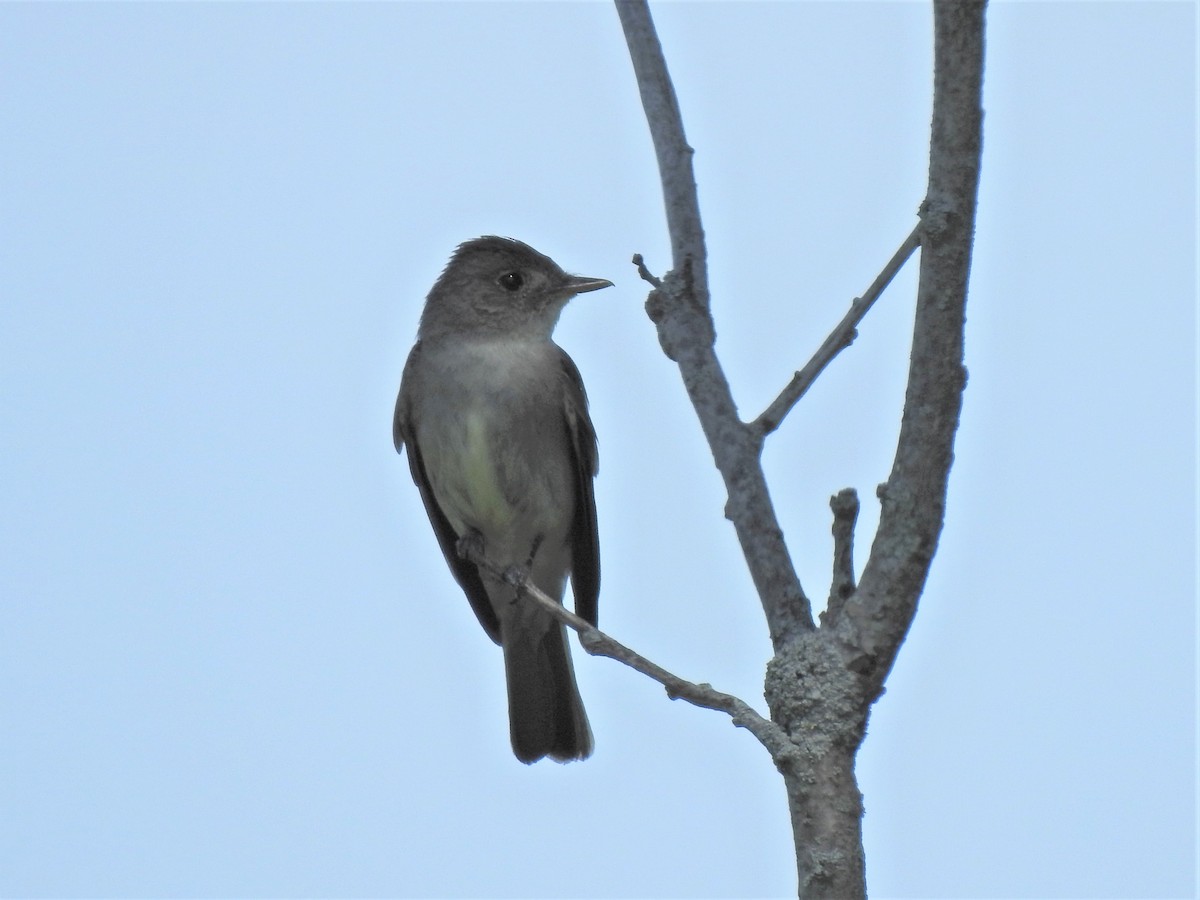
column 469, row 546
column 516, row 576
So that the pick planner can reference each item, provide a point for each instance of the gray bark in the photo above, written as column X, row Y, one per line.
column 823, row 679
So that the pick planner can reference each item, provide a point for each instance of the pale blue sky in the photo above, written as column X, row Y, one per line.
column 232, row 660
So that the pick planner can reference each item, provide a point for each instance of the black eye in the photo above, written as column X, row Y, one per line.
column 511, row 281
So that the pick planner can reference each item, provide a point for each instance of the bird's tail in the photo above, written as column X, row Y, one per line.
column 545, row 712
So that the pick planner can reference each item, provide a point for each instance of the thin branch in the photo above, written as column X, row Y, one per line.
column 680, row 308
column 839, row 339
column 666, row 130
column 845, row 513
column 597, row 643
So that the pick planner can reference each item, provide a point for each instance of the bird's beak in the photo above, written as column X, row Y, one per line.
column 581, row 284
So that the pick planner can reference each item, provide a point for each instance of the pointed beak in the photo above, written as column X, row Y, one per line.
column 581, row 284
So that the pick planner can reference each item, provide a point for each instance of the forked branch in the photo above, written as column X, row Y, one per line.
column 679, row 306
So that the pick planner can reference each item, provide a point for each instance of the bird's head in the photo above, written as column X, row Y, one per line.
column 502, row 286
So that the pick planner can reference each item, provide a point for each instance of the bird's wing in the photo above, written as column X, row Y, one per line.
column 585, row 543
column 465, row 573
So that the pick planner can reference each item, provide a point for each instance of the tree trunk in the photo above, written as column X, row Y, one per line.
column 823, row 679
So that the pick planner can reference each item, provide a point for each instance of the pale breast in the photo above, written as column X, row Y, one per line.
column 492, row 433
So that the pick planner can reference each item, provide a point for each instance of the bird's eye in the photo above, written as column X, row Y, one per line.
column 511, row 281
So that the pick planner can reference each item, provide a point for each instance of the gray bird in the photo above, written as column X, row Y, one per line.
column 502, row 450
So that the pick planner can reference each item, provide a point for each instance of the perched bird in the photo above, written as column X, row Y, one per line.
column 501, row 447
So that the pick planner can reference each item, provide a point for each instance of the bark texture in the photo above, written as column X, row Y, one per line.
column 823, row 679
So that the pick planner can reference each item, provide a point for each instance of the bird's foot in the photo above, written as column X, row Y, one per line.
column 470, row 546
column 516, row 576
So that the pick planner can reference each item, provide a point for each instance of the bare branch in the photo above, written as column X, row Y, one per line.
column 679, row 306
column 876, row 619
column 666, row 130
column 821, row 683
column 839, row 339
column 845, row 513
column 597, row 643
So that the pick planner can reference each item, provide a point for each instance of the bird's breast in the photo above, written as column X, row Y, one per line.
column 493, row 440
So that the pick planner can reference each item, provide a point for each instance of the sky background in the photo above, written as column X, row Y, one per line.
column 232, row 659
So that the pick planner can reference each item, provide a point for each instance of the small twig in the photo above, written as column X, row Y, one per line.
column 845, row 513
column 644, row 273
column 839, row 339
column 597, row 643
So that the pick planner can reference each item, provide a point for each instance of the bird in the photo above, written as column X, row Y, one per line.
column 494, row 419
